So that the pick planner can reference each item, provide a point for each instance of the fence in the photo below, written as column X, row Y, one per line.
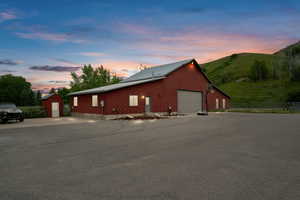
column 39, row 111
column 294, row 106
column 287, row 106
column 33, row 111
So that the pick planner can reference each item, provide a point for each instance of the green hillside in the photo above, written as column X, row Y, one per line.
column 232, row 75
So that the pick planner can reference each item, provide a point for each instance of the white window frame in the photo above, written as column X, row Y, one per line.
column 217, row 104
column 94, row 100
column 224, row 103
column 133, row 100
column 75, row 101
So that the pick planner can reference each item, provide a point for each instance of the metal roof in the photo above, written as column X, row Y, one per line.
column 47, row 96
column 144, row 76
column 114, row 86
column 157, row 71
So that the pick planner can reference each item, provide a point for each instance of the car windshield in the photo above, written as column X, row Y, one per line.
column 7, row 105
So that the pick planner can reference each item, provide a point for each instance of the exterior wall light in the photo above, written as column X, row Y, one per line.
column 143, row 97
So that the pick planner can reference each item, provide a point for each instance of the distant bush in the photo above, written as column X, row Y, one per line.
column 258, row 71
column 67, row 110
column 33, row 111
column 295, row 73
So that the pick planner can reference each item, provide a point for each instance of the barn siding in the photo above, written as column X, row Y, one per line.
column 47, row 104
column 163, row 94
column 211, row 100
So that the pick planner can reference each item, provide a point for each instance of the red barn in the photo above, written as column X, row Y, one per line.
column 53, row 105
column 180, row 87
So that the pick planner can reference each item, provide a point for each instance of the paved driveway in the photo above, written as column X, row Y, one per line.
column 221, row 156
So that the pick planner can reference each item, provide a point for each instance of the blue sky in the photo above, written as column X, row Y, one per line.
column 45, row 40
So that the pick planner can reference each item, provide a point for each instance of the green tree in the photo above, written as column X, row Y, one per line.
column 63, row 93
column 91, row 78
column 17, row 90
column 38, row 98
column 52, row 91
column 293, row 96
column 295, row 73
column 258, row 71
column 115, row 79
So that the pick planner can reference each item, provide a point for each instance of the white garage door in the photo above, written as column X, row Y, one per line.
column 189, row 101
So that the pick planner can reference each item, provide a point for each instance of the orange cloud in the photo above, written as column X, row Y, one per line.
column 200, row 44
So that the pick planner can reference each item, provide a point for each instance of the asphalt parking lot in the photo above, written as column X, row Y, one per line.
column 41, row 122
column 220, row 156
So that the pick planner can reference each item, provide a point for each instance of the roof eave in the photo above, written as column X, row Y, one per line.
column 104, row 91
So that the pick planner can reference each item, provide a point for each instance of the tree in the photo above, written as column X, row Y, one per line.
column 258, row 71
column 292, row 63
column 91, row 78
column 293, row 96
column 115, row 79
column 52, row 91
column 38, row 98
column 63, row 93
column 295, row 73
column 17, row 90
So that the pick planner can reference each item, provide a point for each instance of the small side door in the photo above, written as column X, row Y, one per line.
column 147, row 104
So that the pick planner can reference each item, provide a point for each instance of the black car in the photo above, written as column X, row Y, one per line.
column 9, row 111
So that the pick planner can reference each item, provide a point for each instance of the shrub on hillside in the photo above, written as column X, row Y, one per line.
column 295, row 73
column 258, row 71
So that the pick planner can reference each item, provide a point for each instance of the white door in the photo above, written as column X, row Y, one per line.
column 189, row 101
column 147, row 104
column 224, row 103
column 55, row 109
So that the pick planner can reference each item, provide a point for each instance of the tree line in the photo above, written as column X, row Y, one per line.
column 16, row 89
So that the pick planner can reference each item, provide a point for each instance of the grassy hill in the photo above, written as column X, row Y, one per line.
column 231, row 74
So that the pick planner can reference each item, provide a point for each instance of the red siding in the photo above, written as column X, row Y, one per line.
column 163, row 94
column 47, row 104
column 85, row 105
column 211, row 100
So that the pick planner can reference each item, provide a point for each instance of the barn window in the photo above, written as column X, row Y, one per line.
column 75, row 101
column 95, row 100
column 133, row 100
column 217, row 104
column 224, row 103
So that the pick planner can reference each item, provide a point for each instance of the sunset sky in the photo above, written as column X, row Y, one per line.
column 45, row 40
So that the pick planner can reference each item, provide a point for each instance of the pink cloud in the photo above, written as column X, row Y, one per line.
column 42, row 81
column 137, row 29
column 92, row 54
column 7, row 15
